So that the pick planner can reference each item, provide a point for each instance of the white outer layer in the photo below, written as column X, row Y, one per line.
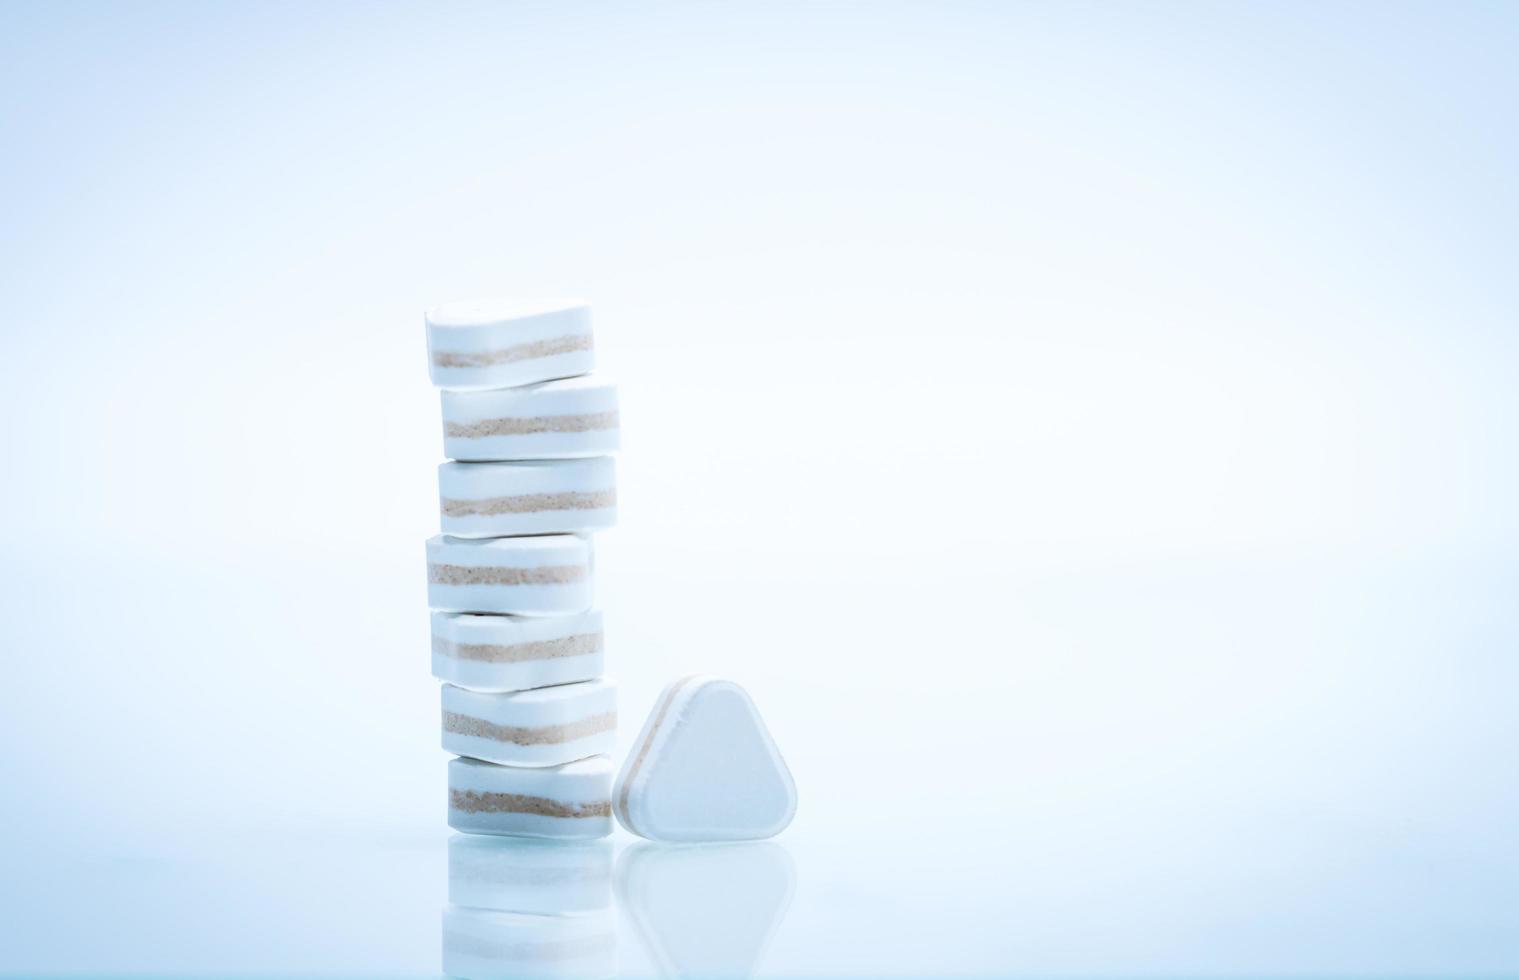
column 486, row 945
column 542, row 877
column 476, row 484
column 451, row 630
column 580, row 783
column 571, row 397
column 565, row 704
column 704, row 768
column 483, row 327
column 555, row 599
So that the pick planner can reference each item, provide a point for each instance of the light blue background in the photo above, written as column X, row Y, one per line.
column 1089, row 430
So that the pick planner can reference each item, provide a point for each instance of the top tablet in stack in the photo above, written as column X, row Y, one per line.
column 509, row 579
column 479, row 344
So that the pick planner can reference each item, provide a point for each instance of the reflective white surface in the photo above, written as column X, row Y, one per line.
column 1167, row 881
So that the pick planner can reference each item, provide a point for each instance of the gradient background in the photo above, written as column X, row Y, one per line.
column 1089, row 430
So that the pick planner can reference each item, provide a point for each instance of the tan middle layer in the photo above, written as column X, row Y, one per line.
column 530, row 425
column 530, row 503
column 473, row 727
column 441, row 574
column 472, row 801
column 517, row 352
column 516, row 653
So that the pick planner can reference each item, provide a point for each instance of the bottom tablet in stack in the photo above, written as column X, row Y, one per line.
column 570, row 801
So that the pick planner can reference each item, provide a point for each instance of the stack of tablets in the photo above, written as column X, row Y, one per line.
column 515, row 639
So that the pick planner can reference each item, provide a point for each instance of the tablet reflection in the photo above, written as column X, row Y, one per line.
column 706, row 910
column 529, row 909
column 483, row 945
column 521, row 875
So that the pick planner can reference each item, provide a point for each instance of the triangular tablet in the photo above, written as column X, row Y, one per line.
column 704, row 768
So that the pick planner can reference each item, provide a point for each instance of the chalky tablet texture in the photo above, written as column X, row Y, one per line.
column 485, row 945
column 570, row 801
column 491, row 500
column 495, row 344
column 704, row 768
column 515, row 653
column 545, row 877
column 573, row 418
column 538, row 576
column 542, row 727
